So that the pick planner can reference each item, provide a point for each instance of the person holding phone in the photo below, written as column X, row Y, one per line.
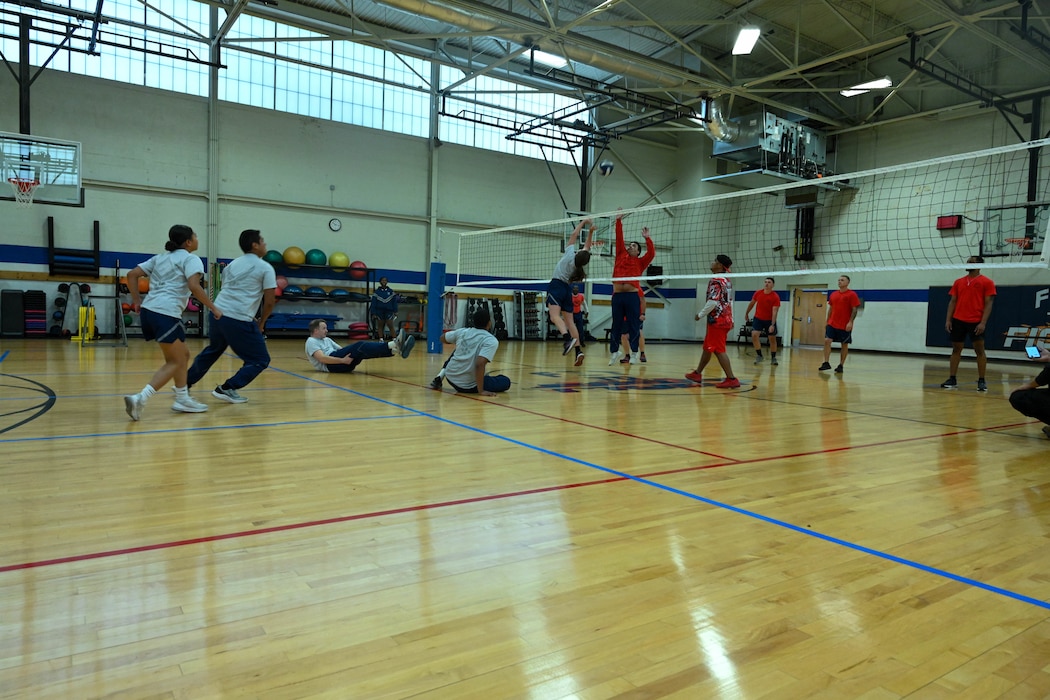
column 1033, row 398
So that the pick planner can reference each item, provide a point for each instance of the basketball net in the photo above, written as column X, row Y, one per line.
column 1017, row 247
column 23, row 189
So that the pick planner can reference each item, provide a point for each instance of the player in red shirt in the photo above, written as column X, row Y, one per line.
column 968, row 312
column 626, row 309
column 842, row 311
column 766, row 304
column 578, row 302
column 719, row 313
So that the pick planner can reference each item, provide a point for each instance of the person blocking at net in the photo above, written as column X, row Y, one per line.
column 1033, row 397
column 173, row 276
column 570, row 269
column 326, row 355
column 718, row 312
column 247, row 282
column 476, row 347
column 766, row 304
column 383, row 309
column 969, row 309
column 626, row 309
column 843, row 305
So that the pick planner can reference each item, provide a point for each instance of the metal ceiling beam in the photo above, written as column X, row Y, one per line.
column 969, row 23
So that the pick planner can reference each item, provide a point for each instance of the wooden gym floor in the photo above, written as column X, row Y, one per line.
column 601, row 532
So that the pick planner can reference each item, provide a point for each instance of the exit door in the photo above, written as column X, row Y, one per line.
column 809, row 314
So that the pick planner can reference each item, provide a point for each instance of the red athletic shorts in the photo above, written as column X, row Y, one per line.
column 715, row 341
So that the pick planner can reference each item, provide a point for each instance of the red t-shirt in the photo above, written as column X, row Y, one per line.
column 842, row 305
column 970, row 293
column 764, row 304
column 577, row 303
column 720, row 289
column 626, row 266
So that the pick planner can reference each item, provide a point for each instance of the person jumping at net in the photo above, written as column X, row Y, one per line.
column 719, row 314
column 326, row 355
column 626, row 309
column 570, row 268
column 475, row 348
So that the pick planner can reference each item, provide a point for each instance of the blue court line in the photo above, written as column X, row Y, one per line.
column 711, row 502
column 6, row 353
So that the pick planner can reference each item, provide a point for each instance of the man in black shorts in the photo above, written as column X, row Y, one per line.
column 968, row 312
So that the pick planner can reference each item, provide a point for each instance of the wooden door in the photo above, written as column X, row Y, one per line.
column 809, row 314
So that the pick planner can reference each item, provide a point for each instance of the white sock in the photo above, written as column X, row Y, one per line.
column 441, row 373
column 394, row 348
column 182, row 392
column 147, row 392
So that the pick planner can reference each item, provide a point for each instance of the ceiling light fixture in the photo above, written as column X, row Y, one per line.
column 867, row 87
column 746, row 40
column 548, row 59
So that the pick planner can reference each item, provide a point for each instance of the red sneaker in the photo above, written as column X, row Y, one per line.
column 695, row 377
column 728, row 383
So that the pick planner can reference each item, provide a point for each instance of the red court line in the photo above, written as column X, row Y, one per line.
column 445, row 504
column 478, row 397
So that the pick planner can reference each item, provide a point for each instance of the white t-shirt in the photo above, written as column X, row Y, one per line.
column 243, row 282
column 470, row 343
column 326, row 345
column 168, row 289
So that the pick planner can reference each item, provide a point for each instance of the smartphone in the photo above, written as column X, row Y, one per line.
column 1032, row 351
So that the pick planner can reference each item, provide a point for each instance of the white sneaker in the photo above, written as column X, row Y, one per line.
column 133, row 405
column 188, row 404
column 635, row 359
column 614, row 357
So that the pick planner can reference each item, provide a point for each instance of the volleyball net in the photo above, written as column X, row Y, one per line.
column 931, row 214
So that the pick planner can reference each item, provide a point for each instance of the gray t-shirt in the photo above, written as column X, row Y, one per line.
column 243, row 282
column 470, row 343
column 326, row 345
column 566, row 266
column 168, row 274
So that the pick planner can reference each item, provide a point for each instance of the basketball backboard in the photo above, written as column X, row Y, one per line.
column 54, row 163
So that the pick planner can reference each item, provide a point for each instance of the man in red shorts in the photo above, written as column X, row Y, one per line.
column 842, row 312
column 968, row 312
column 719, row 314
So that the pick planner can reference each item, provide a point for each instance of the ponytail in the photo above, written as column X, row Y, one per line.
column 177, row 237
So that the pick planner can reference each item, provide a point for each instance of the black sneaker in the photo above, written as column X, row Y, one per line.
column 642, row 357
column 982, row 385
column 824, row 367
column 838, row 369
column 568, row 345
column 579, row 358
column 950, row 383
column 436, row 384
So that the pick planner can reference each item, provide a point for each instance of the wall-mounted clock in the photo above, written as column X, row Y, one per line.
column 335, row 224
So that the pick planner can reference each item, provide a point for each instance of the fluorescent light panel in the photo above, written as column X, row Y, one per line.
column 866, row 87
column 549, row 59
column 746, row 40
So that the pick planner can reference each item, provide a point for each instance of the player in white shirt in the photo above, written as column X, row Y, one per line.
column 326, row 355
column 173, row 276
column 246, row 281
column 475, row 348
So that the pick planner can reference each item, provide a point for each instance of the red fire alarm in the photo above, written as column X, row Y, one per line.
column 948, row 223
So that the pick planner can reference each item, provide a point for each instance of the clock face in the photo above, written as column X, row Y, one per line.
column 335, row 224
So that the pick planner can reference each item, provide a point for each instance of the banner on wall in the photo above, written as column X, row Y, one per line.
column 1020, row 316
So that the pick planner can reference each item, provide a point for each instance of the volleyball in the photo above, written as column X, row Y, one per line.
column 605, row 167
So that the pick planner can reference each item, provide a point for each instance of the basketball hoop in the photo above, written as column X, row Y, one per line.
column 598, row 248
column 24, row 188
column 1017, row 247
